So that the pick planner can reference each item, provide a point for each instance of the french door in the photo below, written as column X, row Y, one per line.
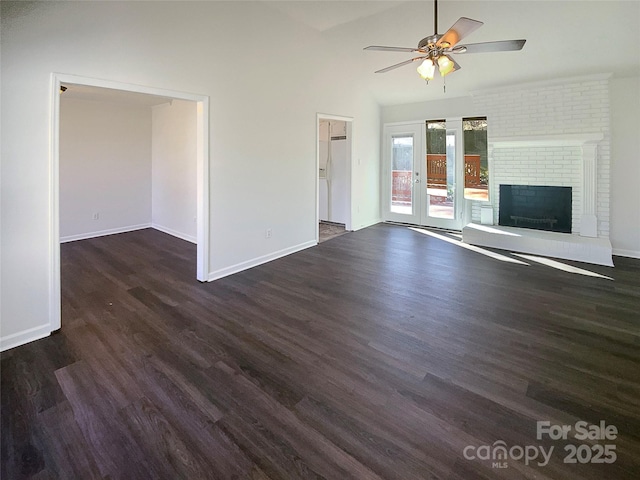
column 403, row 174
column 423, row 177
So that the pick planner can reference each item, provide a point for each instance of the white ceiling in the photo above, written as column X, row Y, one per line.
column 322, row 15
column 565, row 38
column 97, row 94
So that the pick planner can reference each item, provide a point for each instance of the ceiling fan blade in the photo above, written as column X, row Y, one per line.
column 456, row 66
column 463, row 27
column 501, row 46
column 379, row 48
column 406, row 62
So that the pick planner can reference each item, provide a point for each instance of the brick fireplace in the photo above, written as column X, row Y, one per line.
column 569, row 160
column 550, row 133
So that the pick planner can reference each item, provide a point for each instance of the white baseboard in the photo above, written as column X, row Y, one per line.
column 367, row 224
column 102, row 233
column 174, row 233
column 239, row 267
column 26, row 336
column 626, row 253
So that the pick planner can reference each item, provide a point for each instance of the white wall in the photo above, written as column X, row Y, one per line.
column 254, row 64
column 105, row 168
column 625, row 166
column 133, row 165
column 433, row 110
column 173, row 170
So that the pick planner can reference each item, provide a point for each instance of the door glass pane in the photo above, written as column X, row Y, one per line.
column 476, row 167
column 440, row 170
column 402, row 174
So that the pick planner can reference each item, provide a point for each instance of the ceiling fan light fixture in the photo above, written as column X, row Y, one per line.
column 437, row 47
column 427, row 69
column 445, row 65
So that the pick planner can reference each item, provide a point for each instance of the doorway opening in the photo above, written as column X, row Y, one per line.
column 201, row 170
column 334, row 149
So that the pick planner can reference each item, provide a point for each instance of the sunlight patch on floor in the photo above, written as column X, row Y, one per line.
column 560, row 266
column 473, row 248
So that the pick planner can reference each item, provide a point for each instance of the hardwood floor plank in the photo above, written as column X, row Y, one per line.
column 29, row 388
column 191, row 381
column 287, row 445
column 197, row 429
column 117, row 454
column 69, row 455
column 161, row 444
column 371, row 444
column 21, row 446
column 380, row 354
column 106, row 366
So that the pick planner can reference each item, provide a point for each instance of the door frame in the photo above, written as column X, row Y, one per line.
column 349, row 123
column 454, row 124
column 202, row 174
column 417, row 130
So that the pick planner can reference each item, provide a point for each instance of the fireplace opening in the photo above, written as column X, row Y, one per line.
column 536, row 207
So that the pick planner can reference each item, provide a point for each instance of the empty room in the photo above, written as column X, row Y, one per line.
column 171, row 309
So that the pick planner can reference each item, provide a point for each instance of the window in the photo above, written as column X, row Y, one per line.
column 476, row 161
column 402, row 158
column 439, row 172
column 402, row 174
column 441, row 178
column 436, row 137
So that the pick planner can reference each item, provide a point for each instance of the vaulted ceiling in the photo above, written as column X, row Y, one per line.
column 564, row 39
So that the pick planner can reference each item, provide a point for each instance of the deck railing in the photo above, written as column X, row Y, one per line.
column 436, row 177
column 401, row 189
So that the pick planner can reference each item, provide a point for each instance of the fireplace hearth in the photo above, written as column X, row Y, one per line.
column 535, row 207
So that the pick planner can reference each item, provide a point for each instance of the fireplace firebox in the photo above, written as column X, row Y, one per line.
column 536, row 207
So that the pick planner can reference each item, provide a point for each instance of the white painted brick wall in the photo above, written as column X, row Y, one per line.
column 577, row 106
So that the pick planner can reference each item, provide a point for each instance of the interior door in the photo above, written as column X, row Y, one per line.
column 404, row 147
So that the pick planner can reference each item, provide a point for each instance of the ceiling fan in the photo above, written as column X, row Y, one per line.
column 436, row 49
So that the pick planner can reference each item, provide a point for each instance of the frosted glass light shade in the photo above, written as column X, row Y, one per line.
column 445, row 65
column 427, row 69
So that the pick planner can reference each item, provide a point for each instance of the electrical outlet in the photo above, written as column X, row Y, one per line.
column 96, row 216
column 268, row 233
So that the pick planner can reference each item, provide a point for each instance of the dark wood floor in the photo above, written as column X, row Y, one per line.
column 381, row 354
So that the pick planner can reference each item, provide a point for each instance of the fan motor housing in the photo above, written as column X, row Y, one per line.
column 429, row 41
